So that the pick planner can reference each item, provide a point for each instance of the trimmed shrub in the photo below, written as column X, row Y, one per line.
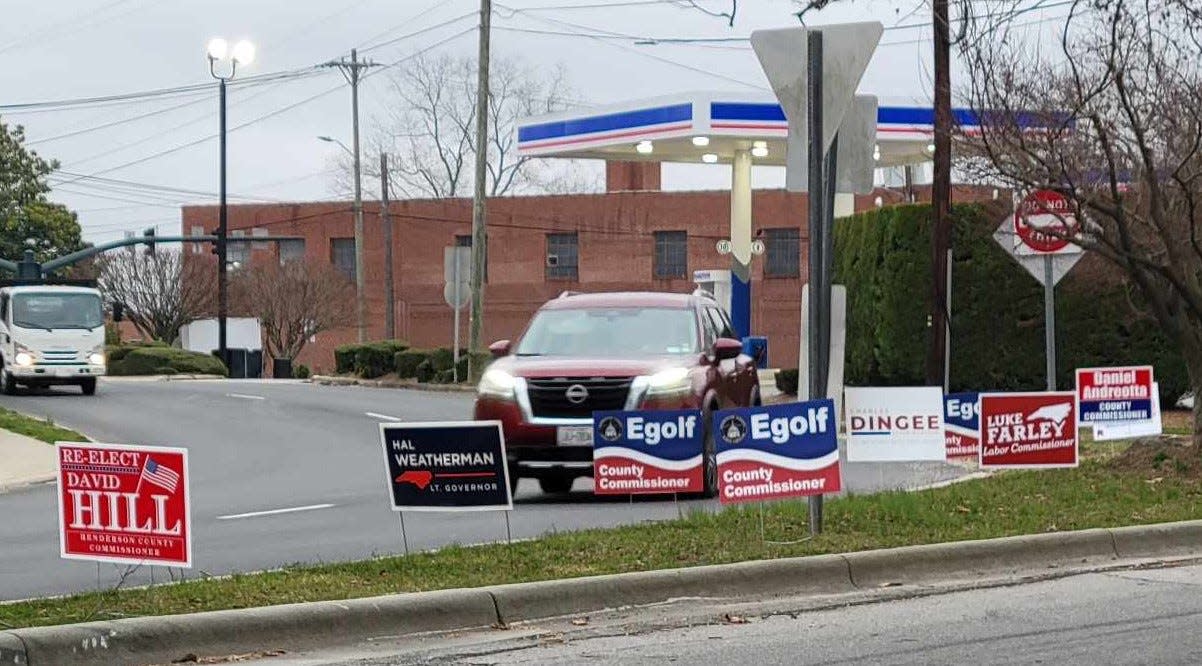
column 301, row 372
column 166, row 370
column 406, row 362
column 786, row 381
column 425, row 371
column 150, row 360
column 482, row 359
column 442, row 359
column 445, row 376
column 883, row 257
column 376, row 359
column 344, row 359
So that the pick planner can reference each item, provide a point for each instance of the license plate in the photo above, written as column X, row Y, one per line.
column 574, row 436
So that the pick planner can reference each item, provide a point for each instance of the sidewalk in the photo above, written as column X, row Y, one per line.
column 24, row 460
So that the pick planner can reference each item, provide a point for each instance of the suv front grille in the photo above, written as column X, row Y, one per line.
column 549, row 397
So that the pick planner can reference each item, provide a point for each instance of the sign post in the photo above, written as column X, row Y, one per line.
column 457, row 269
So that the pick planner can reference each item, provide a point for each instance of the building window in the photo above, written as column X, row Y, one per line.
column 671, row 254
column 237, row 251
column 466, row 241
column 198, row 248
column 563, row 256
column 294, row 250
column 342, row 255
column 260, row 232
column 782, row 252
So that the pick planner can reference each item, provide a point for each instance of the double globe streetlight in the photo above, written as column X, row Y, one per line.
column 223, row 65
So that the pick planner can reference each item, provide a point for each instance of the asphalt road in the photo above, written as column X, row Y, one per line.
column 261, row 446
column 1120, row 617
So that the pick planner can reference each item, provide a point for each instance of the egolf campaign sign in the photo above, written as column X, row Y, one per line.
column 124, row 504
column 895, row 424
column 777, row 451
column 1114, row 395
column 640, row 452
column 962, row 425
column 1029, row 430
column 450, row 466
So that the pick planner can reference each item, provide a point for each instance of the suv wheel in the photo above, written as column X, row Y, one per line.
column 88, row 386
column 7, row 385
column 709, row 457
column 558, row 484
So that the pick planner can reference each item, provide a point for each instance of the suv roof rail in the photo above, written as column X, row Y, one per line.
column 566, row 294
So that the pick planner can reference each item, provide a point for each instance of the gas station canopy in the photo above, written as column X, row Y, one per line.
column 707, row 127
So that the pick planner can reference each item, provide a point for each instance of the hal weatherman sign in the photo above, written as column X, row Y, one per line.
column 124, row 504
column 446, row 466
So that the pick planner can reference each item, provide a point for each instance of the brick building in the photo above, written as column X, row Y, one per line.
column 632, row 237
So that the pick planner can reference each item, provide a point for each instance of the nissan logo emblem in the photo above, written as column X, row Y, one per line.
column 576, row 394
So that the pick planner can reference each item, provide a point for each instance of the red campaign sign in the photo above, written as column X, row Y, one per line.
column 1029, row 430
column 1045, row 221
column 124, row 504
column 961, row 446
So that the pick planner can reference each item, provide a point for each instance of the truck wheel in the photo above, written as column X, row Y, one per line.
column 559, row 484
column 88, row 386
column 7, row 385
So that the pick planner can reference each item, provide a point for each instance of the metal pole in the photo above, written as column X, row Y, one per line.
column 455, row 316
column 386, row 223
column 1049, row 320
column 816, row 198
column 479, row 237
column 360, row 269
column 223, row 295
column 947, row 346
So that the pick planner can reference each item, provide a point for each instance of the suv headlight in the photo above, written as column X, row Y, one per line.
column 672, row 381
column 96, row 356
column 497, row 384
column 24, row 357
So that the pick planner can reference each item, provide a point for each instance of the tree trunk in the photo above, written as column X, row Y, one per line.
column 1191, row 350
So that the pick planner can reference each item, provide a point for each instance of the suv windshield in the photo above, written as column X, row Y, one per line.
column 610, row 332
column 50, row 311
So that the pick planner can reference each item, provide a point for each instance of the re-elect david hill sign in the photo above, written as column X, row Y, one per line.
column 1114, row 395
column 647, row 452
column 1028, row 430
column 895, row 424
column 124, row 504
column 962, row 426
column 455, row 466
column 777, row 451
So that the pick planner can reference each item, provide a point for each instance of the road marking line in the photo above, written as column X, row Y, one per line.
column 244, row 396
column 381, row 416
column 272, row 512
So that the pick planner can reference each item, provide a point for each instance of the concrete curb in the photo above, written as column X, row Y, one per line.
column 295, row 627
column 158, row 378
column 328, row 380
column 328, row 624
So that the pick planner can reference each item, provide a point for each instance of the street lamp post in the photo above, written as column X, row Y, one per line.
column 219, row 53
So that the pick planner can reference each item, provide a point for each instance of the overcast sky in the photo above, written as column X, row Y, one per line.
column 65, row 49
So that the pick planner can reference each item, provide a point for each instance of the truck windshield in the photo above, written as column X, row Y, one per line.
column 50, row 311
column 611, row 332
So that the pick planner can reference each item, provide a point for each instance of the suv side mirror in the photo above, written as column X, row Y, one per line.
column 499, row 348
column 727, row 348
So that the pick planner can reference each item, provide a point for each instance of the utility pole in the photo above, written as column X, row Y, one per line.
column 222, row 246
column 941, row 195
column 479, row 237
column 386, row 223
column 352, row 69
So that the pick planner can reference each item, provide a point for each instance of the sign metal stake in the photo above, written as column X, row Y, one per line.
column 404, row 534
column 1049, row 320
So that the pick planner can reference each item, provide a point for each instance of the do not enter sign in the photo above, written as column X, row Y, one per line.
column 1044, row 223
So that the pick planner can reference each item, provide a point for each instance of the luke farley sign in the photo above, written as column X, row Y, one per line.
column 446, row 466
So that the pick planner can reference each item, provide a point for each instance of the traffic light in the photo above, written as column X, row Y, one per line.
column 149, row 233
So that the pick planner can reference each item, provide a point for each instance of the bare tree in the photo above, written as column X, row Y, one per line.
column 1112, row 118
column 160, row 292
column 293, row 302
column 429, row 131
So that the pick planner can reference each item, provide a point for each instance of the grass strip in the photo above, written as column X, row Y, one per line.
column 1006, row 504
column 36, row 428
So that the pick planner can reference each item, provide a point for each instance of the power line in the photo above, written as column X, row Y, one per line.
column 363, row 46
column 419, row 32
column 61, row 29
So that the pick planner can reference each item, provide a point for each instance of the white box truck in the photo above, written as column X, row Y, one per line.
column 51, row 335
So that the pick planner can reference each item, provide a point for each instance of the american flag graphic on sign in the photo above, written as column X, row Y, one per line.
column 160, row 476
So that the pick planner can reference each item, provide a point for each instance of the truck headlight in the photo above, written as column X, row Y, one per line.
column 673, row 381
column 497, row 384
column 96, row 356
column 23, row 359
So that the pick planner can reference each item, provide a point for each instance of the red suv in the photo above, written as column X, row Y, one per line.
column 592, row 352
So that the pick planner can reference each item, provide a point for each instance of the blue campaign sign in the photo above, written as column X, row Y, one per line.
column 647, row 452
column 962, row 412
column 777, row 451
column 453, row 466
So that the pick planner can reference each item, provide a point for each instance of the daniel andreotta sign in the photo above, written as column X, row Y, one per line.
column 446, row 466
column 124, row 504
